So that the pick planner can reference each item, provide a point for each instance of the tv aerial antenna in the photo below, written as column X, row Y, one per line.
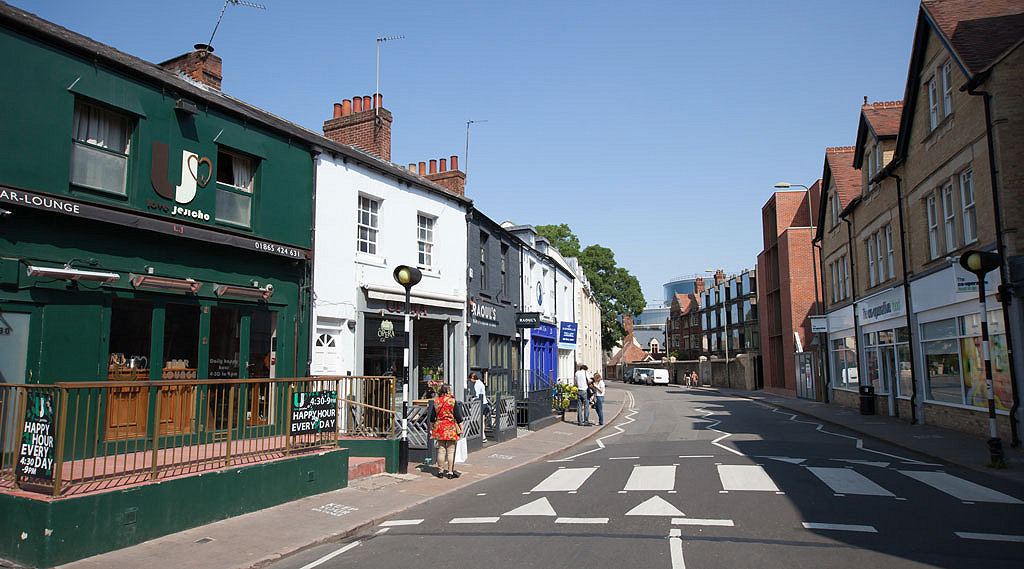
column 209, row 44
column 466, row 161
column 380, row 43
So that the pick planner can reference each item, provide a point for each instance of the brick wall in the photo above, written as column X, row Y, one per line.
column 201, row 65
column 367, row 129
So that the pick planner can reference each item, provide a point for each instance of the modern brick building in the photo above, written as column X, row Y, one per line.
column 787, row 293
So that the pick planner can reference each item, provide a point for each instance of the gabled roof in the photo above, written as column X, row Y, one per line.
column 839, row 170
column 978, row 32
column 977, row 35
column 686, row 302
column 881, row 120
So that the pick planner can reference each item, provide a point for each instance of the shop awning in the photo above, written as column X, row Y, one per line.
column 426, row 298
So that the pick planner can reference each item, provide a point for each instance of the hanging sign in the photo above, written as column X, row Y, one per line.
column 567, row 335
column 314, row 412
column 527, row 319
column 35, row 459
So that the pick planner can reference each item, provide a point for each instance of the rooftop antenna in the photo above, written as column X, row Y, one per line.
column 209, row 44
column 380, row 42
column 466, row 171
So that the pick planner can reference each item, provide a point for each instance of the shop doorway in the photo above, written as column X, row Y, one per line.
column 806, row 388
column 131, row 331
column 180, row 363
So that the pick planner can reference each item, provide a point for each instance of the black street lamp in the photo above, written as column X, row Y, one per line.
column 980, row 263
column 408, row 277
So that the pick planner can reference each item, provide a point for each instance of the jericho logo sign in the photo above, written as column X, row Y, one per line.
column 195, row 173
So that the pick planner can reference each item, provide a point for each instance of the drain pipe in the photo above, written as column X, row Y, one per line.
column 821, row 309
column 847, row 211
column 1004, row 294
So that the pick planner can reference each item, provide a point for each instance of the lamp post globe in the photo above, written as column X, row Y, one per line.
column 407, row 276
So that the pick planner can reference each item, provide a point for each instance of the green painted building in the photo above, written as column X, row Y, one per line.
column 152, row 227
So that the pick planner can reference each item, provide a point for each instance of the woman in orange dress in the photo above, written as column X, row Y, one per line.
column 446, row 418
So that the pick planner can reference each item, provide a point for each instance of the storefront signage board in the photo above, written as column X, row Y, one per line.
column 527, row 319
column 567, row 335
column 819, row 324
column 483, row 313
column 38, row 441
column 314, row 412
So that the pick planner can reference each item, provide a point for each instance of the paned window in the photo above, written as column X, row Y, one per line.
column 947, row 89
column 889, row 252
column 483, row 261
column 504, row 269
column 933, row 103
column 880, row 251
column 844, row 362
column 235, row 174
column 425, row 239
column 967, row 204
column 933, row 227
column 872, row 275
column 835, row 210
column 949, row 217
column 99, row 152
column 367, row 223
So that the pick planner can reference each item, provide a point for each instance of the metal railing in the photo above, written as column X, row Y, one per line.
column 81, row 436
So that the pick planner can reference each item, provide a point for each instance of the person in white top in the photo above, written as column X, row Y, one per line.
column 480, row 392
column 582, row 404
column 598, row 382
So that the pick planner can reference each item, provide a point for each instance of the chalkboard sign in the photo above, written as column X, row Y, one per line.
column 314, row 412
column 35, row 460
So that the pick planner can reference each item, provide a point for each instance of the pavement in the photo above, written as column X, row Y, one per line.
column 260, row 538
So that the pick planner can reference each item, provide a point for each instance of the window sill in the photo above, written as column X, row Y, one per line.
column 945, row 125
column 371, row 260
column 431, row 273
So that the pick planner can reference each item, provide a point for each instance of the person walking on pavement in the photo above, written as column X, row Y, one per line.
column 582, row 404
column 446, row 420
column 480, row 393
column 598, row 383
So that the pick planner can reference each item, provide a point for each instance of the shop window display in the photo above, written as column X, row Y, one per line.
column 955, row 365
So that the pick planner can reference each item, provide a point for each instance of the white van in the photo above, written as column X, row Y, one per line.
column 658, row 377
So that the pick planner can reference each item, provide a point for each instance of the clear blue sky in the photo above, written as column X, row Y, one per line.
column 656, row 129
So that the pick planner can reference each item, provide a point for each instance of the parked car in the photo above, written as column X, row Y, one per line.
column 643, row 375
column 659, row 377
column 628, row 376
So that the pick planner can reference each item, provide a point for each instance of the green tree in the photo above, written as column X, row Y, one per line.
column 617, row 291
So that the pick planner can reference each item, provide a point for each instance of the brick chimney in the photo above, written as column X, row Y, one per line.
column 201, row 65
column 698, row 286
column 627, row 323
column 453, row 179
column 362, row 122
column 719, row 277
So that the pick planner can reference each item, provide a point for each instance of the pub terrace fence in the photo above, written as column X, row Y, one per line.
column 75, row 437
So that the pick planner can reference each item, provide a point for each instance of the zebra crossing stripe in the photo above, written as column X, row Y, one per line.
column 745, row 477
column 390, row 523
column 653, row 478
column 959, row 488
column 564, row 480
column 700, row 522
column 581, row 521
column 846, row 481
column 486, row 520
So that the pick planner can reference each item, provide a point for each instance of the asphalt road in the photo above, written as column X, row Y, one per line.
column 694, row 479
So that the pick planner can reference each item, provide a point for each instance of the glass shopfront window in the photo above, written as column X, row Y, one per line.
column 131, row 331
column 225, row 342
column 262, row 364
column 887, row 363
column 844, row 363
column 955, row 365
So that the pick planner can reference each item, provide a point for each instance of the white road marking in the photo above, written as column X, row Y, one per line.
column 960, row 488
column 486, row 520
column 538, row 507
column 581, row 521
column 840, row 527
column 390, row 523
column 990, row 536
column 329, row 556
column 675, row 549
column 700, row 522
column 785, row 459
column 711, row 427
column 564, row 480
column 846, row 481
column 745, row 477
column 864, row 462
column 624, row 458
column 655, row 506
column 697, row 456
column 653, row 478
column 383, row 530
column 600, row 441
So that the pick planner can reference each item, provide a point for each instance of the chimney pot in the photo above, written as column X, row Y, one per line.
column 412, row 167
column 357, row 104
column 337, row 110
column 423, row 168
column 433, row 166
column 378, row 100
column 444, row 164
column 367, row 103
column 346, row 108
column 455, row 162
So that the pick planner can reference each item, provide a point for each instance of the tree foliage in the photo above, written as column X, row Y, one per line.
column 617, row 291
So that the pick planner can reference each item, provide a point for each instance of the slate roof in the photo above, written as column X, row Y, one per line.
column 979, row 32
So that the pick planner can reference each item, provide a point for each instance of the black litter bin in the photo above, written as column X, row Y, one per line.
column 867, row 400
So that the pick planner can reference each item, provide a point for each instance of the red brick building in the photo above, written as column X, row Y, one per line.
column 787, row 290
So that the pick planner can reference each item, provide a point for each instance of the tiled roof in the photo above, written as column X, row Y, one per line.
column 845, row 176
column 687, row 302
column 978, row 31
column 884, row 117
